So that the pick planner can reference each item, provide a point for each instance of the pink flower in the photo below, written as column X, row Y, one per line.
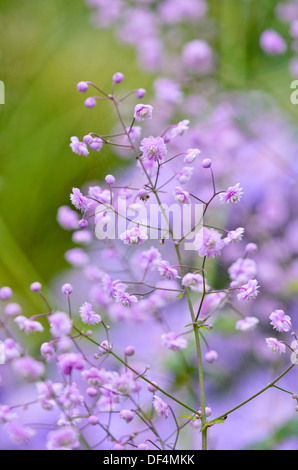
column 76, row 257
column 209, row 242
column 242, row 270
column 234, row 236
column 161, row 408
column 69, row 361
column 233, row 194
column 79, row 201
column 47, row 351
column 6, row 414
column 135, row 236
column 181, row 196
column 185, row 174
column 166, row 270
column 142, row 112
column 60, row 324
column 125, row 299
column 80, row 148
column 249, row 290
column 247, row 324
column 87, row 314
column 19, row 433
column 28, row 368
column 194, row 281
column 275, row 345
column 211, row 356
column 173, row 341
column 65, row 438
column 191, row 155
column 127, row 415
column 27, row 325
column 67, row 218
column 280, row 321
column 153, row 148
column 272, row 42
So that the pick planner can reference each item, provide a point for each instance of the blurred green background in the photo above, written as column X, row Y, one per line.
column 46, row 48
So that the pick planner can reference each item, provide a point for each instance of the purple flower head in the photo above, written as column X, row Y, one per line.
column 5, row 293
column 247, row 324
column 80, row 148
column 67, row 218
column 90, row 102
column 125, row 299
column 118, row 77
column 60, row 324
column 275, row 345
column 76, row 257
column 28, row 368
column 96, row 144
column 79, row 201
column 168, row 91
column 127, row 415
column 191, row 155
column 27, row 325
column 181, row 196
column 142, row 112
column 194, row 281
column 249, row 291
column 109, row 179
column 206, row 163
column 66, row 289
column 19, row 433
column 82, row 87
column 185, row 174
column 161, row 408
column 177, row 130
column 134, row 236
column 197, row 56
column 47, row 351
column 173, row 341
column 140, row 93
column 35, row 287
column 211, row 356
column 88, row 315
column 242, row 270
column 280, row 321
column 12, row 309
column 272, row 42
column 234, row 236
column 209, row 243
column 233, row 194
column 69, row 361
column 166, row 270
column 6, row 414
column 153, row 148
column 65, row 438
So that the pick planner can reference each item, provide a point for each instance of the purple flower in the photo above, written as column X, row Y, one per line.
column 153, row 148
column 118, row 77
column 69, row 361
column 125, row 299
column 185, row 174
column 181, row 196
column 65, row 438
column 280, row 321
column 168, row 90
column 234, row 236
column 173, row 341
column 135, row 236
column 249, row 290
column 247, row 324
column 197, row 55
column 80, row 148
column 79, row 201
column 208, row 242
column 191, row 155
column 12, row 309
column 60, row 324
column 67, row 218
column 161, row 408
column 272, row 42
column 242, row 270
column 142, row 112
column 194, row 281
column 82, row 87
column 275, row 345
column 19, row 433
column 28, row 368
column 233, row 194
column 6, row 414
column 211, row 356
column 5, row 293
column 88, row 315
column 166, row 270
column 77, row 257
column 127, row 415
column 27, row 325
